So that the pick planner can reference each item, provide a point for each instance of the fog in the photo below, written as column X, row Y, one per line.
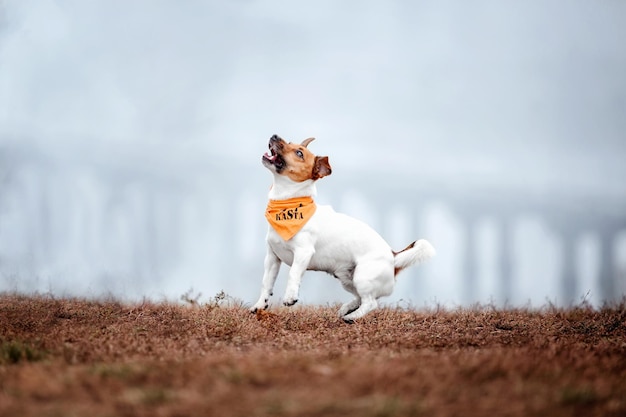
column 131, row 135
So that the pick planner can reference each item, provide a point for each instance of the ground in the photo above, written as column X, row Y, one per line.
column 74, row 357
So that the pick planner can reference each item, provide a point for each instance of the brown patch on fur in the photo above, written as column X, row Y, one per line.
column 321, row 168
column 300, row 163
column 397, row 270
column 411, row 246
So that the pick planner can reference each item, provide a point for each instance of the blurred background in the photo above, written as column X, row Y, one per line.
column 131, row 135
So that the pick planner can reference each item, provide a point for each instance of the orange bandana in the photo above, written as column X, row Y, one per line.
column 287, row 217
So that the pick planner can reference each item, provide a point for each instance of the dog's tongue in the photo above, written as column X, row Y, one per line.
column 269, row 156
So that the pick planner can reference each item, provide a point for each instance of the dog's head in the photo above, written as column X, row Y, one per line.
column 295, row 161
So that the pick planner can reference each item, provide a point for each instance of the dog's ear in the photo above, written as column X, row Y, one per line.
column 306, row 142
column 321, row 168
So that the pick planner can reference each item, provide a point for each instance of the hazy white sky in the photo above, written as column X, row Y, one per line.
column 452, row 87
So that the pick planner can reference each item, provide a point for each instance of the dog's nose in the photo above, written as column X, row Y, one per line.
column 274, row 138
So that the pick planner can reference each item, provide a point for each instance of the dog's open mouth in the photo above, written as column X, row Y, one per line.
column 272, row 157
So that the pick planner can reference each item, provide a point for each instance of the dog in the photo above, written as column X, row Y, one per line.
column 310, row 237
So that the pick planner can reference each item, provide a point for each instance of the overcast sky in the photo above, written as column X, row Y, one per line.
column 447, row 86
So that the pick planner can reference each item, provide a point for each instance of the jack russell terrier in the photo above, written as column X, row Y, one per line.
column 310, row 237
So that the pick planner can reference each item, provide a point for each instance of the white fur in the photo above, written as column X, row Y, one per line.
column 338, row 244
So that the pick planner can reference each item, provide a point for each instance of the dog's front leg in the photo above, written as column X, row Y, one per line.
column 301, row 259
column 272, row 266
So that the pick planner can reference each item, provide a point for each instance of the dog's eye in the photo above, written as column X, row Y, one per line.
column 299, row 154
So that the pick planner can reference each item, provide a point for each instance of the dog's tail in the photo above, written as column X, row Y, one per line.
column 416, row 253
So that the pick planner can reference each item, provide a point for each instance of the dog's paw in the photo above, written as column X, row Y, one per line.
column 348, row 308
column 259, row 306
column 289, row 301
column 291, row 296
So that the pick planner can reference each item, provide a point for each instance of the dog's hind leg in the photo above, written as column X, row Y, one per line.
column 345, row 277
column 371, row 280
column 367, row 304
column 349, row 307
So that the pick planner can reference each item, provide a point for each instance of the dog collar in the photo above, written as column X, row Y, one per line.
column 287, row 217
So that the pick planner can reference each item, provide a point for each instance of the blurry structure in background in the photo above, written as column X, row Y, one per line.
column 131, row 135
column 98, row 228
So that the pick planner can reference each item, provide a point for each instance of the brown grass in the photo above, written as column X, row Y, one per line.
column 70, row 357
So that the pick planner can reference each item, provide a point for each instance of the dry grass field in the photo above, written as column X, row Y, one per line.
column 73, row 357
